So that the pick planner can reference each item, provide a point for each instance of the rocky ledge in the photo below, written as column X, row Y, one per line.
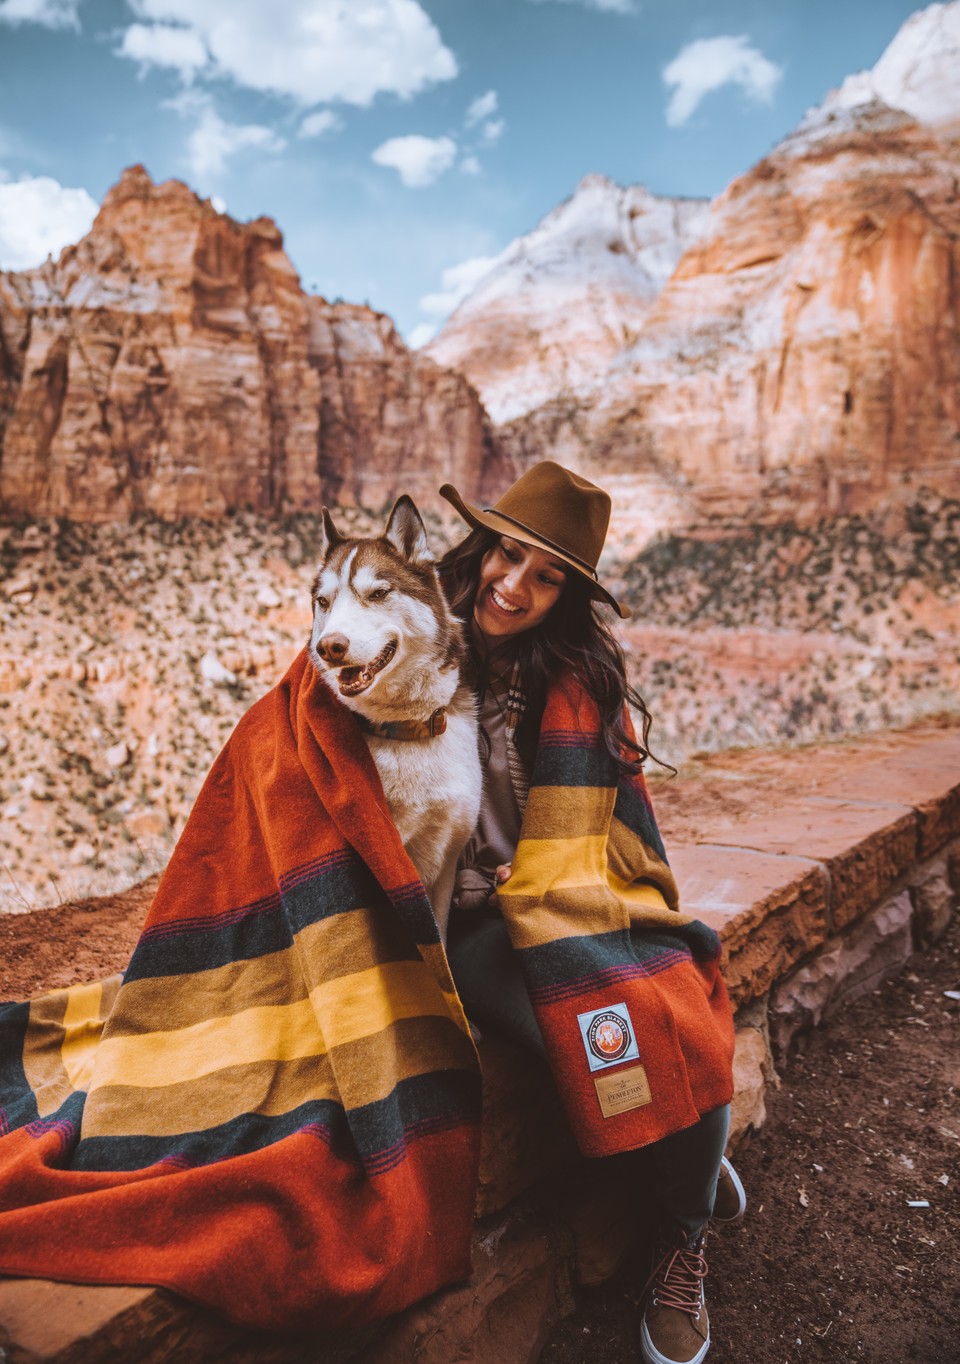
column 822, row 868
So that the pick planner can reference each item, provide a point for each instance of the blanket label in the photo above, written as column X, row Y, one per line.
column 608, row 1036
column 623, row 1091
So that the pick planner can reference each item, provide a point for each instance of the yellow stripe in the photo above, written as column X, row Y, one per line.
column 82, row 1027
column 637, row 893
column 543, row 864
column 348, row 1008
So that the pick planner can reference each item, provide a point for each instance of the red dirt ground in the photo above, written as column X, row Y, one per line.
column 831, row 1263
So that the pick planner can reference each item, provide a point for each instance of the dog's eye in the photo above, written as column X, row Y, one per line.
column 323, row 603
column 378, row 594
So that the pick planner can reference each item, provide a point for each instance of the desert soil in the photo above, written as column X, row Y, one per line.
column 108, row 726
column 848, row 1249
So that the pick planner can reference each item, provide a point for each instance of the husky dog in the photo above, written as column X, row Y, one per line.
column 385, row 643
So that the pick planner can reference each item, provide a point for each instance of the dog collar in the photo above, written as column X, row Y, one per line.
column 405, row 729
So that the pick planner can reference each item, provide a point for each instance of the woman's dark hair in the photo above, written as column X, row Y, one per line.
column 572, row 639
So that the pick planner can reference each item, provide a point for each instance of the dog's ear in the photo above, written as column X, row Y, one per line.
column 406, row 533
column 329, row 536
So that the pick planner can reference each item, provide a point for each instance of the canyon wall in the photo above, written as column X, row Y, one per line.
column 563, row 301
column 170, row 362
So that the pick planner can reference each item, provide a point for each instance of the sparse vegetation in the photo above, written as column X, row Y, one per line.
column 777, row 635
column 794, row 633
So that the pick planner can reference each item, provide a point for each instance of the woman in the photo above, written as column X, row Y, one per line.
column 565, row 915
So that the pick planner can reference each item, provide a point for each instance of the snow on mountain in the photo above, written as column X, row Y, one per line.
column 919, row 72
column 563, row 301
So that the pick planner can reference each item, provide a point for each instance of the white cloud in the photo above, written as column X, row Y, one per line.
column 310, row 50
column 482, row 107
column 164, row 45
column 38, row 218
column 710, row 63
column 323, row 121
column 492, row 131
column 470, row 165
column 213, row 139
column 421, row 334
column 49, row 13
column 420, row 160
column 458, row 281
column 609, row 6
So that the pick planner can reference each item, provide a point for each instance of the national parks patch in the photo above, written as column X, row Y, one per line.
column 608, row 1036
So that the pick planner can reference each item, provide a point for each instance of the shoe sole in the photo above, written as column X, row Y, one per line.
column 651, row 1355
column 734, row 1179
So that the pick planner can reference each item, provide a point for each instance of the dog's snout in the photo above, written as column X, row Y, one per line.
column 333, row 648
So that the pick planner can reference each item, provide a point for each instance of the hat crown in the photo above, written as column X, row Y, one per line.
column 561, row 508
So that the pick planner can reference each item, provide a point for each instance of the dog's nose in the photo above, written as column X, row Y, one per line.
column 333, row 648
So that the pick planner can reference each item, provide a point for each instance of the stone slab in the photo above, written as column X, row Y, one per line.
column 934, row 903
column 61, row 1323
column 846, row 968
column 769, row 910
column 865, row 847
column 505, row 1312
column 923, row 772
column 752, row 1068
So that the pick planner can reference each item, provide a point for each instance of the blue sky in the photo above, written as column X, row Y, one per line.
column 304, row 110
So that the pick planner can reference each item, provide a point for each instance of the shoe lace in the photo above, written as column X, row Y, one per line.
column 677, row 1277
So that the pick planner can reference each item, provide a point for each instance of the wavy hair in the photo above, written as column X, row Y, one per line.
column 573, row 639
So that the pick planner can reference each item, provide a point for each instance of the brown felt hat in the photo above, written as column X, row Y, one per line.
column 553, row 509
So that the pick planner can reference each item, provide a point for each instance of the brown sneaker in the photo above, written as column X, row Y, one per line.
column 731, row 1202
column 676, row 1329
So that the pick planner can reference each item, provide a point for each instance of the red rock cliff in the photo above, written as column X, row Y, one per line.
column 171, row 362
column 802, row 360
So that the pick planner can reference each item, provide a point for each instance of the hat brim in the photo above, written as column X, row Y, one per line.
column 488, row 519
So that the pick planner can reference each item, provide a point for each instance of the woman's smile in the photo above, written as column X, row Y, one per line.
column 519, row 586
column 502, row 602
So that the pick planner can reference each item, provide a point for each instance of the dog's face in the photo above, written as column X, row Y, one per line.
column 380, row 620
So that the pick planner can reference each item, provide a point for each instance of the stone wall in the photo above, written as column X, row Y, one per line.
column 823, row 869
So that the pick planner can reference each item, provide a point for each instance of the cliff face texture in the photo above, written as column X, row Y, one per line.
column 170, row 362
column 803, row 359
column 563, row 301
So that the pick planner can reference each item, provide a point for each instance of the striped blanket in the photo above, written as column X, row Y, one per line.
column 626, row 990
column 276, row 1110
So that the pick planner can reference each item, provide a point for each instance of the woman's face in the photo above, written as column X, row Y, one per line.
column 519, row 586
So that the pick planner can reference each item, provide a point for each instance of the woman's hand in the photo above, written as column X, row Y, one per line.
column 503, row 872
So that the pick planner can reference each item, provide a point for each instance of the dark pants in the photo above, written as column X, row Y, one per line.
column 684, row 1166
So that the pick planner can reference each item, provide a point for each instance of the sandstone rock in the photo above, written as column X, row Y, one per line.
column 267, row 597
column 752, row 1068
column 504, row 1313
column 795, row 365
column 934, row 905
column 117, row 754
column 20, row 590
column 170, row 362
column 863, row 847
column 392, row 421
column 147, row 823
column 847, row 967
column 769, row 911
column 924, row 772
column 212, row 670
column 560, row 303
